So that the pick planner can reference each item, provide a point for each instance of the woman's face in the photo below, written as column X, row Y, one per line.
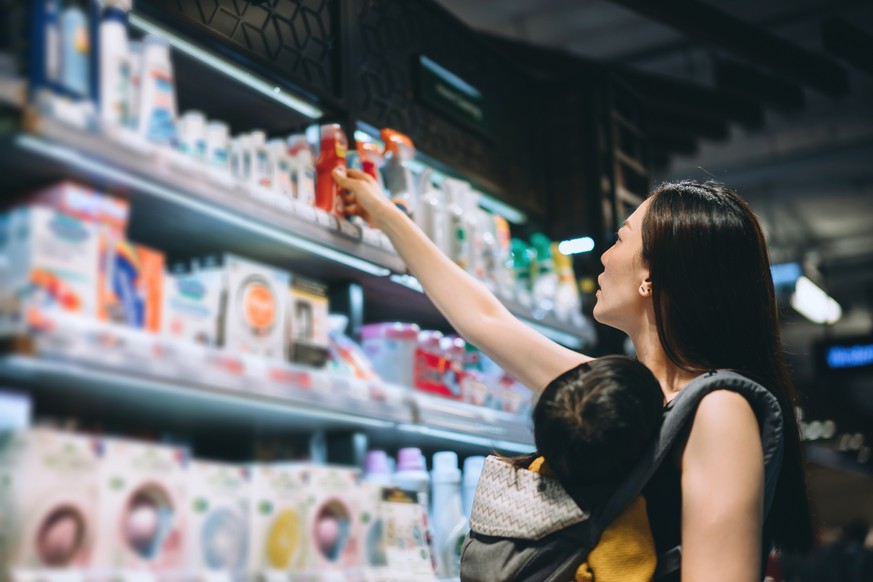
column 625, row 289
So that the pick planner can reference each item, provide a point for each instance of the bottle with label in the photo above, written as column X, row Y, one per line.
column 217, row 142
column 398, row 177
column 241, row 158
column 302, row 169
column 522, row 257
column 373, row 158
column 472, row 471
column 568, row 303
column 75, row 69
column 282, row 166
column 192, row 135
column 52, row 38
column 411, row 475
column 431, row 215
column 157, row 117
column 261, row 178
column 331, row 155
column 505, row 276
column 458, row 239
column 475, row 239
column 115, row 81
column 376, row 468
column 449, row 523
column 545, row 283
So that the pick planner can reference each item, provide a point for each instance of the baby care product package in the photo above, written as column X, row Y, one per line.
column 192, row 306
column 51, row 262
column 142, row 499
column 48, row 530
column 307, row 323
column 217, row 521
column 277, row 524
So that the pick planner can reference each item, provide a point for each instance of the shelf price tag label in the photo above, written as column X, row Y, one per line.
column 371, row 236
column 297, row 379
column 349, row 229
column 326, row 220
column 306, row 212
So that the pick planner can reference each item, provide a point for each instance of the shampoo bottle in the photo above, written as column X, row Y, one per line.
column 431, row 215
column 282, row 168
column 157, row 118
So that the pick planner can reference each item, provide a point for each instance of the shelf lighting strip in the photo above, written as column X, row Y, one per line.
column 69, row 156
column 23, row 365
column 235, row 72
column 512, row 446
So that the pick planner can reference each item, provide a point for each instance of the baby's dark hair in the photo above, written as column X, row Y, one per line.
column 593, row 423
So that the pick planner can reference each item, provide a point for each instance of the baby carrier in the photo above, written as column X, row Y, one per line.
column 526, row 527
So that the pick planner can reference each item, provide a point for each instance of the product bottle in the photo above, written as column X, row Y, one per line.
column 75, row 50
column 376, row 468
column 449, row 523
column 241, row 158
column 472, row 471
column 157, row 118
column 486, row 229
column 505, row 273
column 522, row 257
column 282, row 165
column 302, row 169
column 458, row 241
column 115, row 70
column 545, row 284
column 261, row 178
column 398, row 177
column 373, row 158
column 568, row 303
column 52, row 46
column 475, row 240
column 192, row 134
column 411, row 475
column 332, row 155
column 431, row 215
column 217, row 143
column 135, row 50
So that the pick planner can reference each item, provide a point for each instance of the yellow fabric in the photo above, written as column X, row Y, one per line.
column 626, row 552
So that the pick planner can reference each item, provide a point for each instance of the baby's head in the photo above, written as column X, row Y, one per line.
column 592, row 423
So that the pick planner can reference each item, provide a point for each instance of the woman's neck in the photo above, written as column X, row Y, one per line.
column 651, row 353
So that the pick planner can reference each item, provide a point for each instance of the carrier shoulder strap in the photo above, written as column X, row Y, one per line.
column 678, row 415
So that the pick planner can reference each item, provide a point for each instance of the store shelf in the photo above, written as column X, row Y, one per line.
column 76, row 360
column 178, row 208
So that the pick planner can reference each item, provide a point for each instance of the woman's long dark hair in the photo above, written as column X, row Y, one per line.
column 715, row 308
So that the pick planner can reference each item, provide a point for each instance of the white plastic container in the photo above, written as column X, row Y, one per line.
column 241, row 158
column 411, row 474
column 192, row 134
column 472, row 472
column 302, row 169
column 391, row 348
column 282, row 166
column 115, row 70
column 157, row 119
column 376, row 468
column 431, row 215
column 449, row 523
column 134, row 51
column 261, row 178
column 457, row 238
column 217, row 144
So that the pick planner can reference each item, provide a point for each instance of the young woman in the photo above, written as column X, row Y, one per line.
column 688, row 280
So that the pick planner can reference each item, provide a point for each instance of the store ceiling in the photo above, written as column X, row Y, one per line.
column 773, row 98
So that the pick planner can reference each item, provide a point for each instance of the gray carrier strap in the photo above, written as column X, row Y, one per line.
column 678, row 415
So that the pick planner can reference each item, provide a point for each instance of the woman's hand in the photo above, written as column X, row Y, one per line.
column 362, row 196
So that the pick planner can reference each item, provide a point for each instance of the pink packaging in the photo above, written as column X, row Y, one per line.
column 391, row 348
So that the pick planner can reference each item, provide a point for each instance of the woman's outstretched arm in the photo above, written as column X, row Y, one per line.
column 722, row 492
column 468, row 305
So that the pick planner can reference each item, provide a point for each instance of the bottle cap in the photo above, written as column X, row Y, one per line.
column 376, row 463
column 410, row 459
column 445, row 467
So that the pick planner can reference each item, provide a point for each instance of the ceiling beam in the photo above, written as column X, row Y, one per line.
column 751, row 83
column 717, row 28
column 849, row 43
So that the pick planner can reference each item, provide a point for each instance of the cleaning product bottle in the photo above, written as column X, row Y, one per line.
column 568, row 303
column 302, row 169
column 75, row 50
column 472, row 470
column 430, row 215
column 157, row 118
column 398, row 177
column 545, row 285
column 411, row 475
column 115, row 73
column 192, row 135
column 457, row 236
column 332, row 155
column 449, row 523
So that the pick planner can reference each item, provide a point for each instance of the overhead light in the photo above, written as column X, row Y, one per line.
column 575, row 246
column 231, row 70
column 814, row 304
column 76, row 159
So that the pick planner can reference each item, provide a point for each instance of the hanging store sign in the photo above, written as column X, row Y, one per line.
column 444, row 91
column 847, row 353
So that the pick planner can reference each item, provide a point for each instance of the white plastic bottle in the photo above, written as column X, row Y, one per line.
column 261, row 177
column 115, row 70
column 457, row 239
column 217, row 143
column 399, row 150
column 431, row 215
column 377, row 468
column 475, row 241
column 302, row 169
column 241, row 158
column 52, row 44
column 449, row 523
column 282, row 170
column 472, row 471
column 411, row 474
column 192, row 135
column 157, row 106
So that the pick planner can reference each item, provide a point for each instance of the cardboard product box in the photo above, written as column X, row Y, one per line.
column 218, row 520
column 85, row 203
column 51, row 263
column 132, row 288
column 142, row 510
column 256, row 308
column 407, row 548
column 308, row 325
column 49, row 503
column 334, row 519
column 373, row 558
column 192, row 306
column 277, row 520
